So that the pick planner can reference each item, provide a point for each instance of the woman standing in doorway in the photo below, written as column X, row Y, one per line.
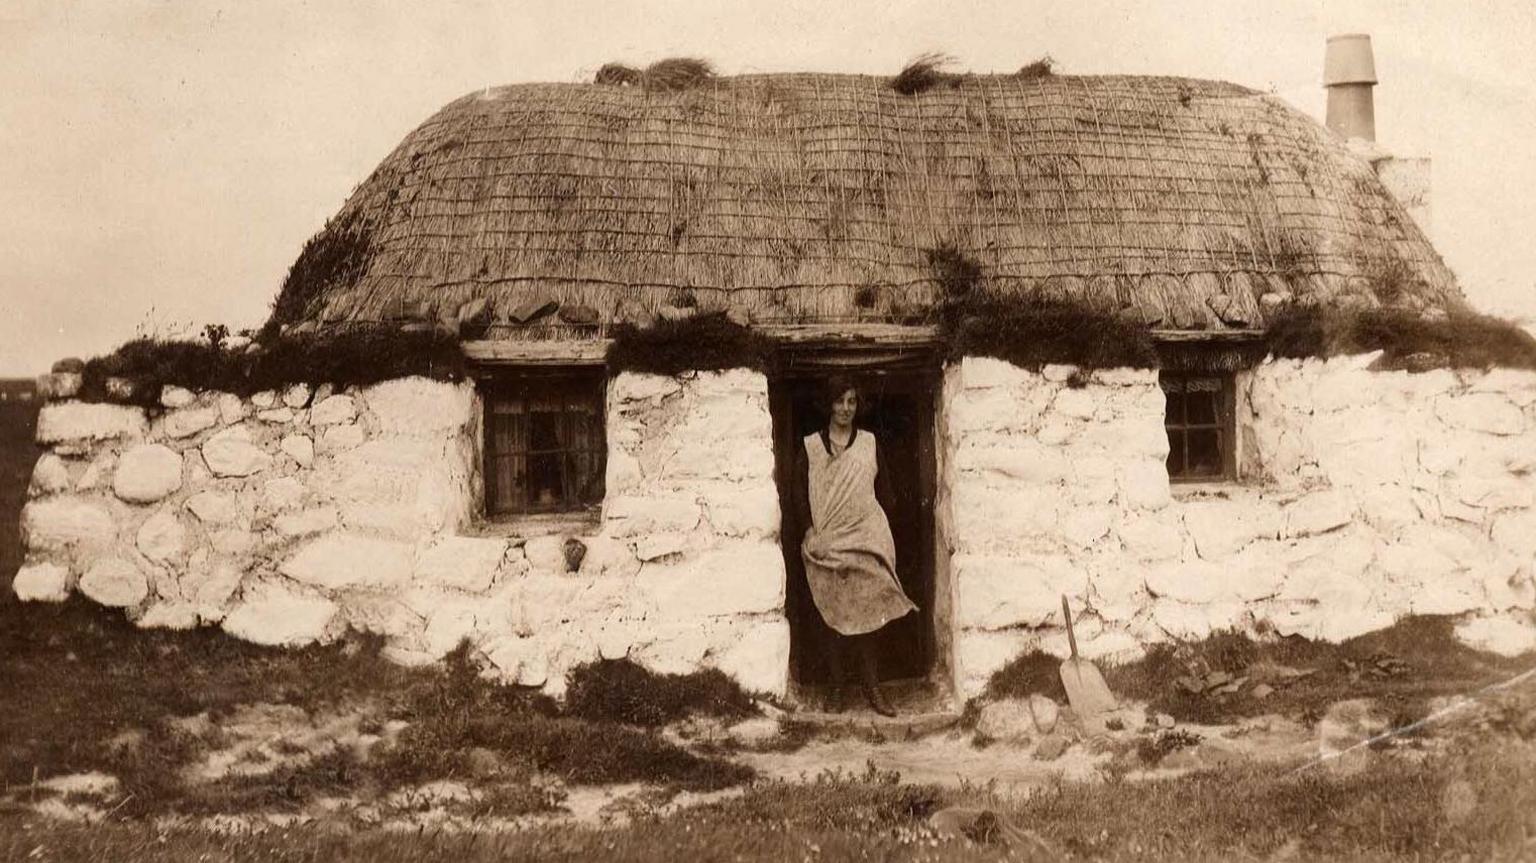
column 849, row 554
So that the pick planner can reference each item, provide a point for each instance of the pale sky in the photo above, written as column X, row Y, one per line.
column 163, row 161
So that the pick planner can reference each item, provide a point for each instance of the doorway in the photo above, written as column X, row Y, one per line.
column 899, row 407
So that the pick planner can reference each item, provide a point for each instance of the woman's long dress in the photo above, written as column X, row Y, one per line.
column 853, row 574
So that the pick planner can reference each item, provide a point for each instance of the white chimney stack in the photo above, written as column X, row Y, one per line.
column 1349, row 73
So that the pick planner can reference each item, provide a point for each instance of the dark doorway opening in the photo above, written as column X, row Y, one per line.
column 899, row 407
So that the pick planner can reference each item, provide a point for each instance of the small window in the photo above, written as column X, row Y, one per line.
column 545, row 451
column 1199, row 420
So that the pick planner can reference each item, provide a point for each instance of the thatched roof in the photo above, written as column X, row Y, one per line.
column 818, row 198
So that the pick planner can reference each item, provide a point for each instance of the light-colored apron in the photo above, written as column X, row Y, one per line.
column 853, row 577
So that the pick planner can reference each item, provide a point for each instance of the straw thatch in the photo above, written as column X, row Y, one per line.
column 1175, row 203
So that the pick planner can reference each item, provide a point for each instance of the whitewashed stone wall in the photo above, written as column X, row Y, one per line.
column 291, row 516
column 1366, row 495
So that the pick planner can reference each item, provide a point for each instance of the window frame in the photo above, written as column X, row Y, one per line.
column 501, row 384
column 1225, row 426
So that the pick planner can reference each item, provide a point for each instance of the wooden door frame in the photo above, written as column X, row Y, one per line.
column 922, row 366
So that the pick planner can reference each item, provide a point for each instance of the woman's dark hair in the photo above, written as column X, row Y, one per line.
column 833, row 388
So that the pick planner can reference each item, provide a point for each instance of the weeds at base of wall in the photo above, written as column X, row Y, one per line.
column 347, row 358
column 128, row 687
column 702, row 342
column 622, row 691
column 1438, row 664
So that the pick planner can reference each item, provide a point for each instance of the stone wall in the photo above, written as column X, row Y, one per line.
column 289, row 517
column 1365, row 495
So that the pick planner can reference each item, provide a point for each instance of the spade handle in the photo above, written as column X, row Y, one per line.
column 1071, row 636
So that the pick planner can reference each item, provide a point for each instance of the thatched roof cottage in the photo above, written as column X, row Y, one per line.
column 1165, row 346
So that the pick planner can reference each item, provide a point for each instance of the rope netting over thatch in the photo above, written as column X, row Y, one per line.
column 818, row 198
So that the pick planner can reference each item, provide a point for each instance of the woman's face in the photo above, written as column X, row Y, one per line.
column 844, row 407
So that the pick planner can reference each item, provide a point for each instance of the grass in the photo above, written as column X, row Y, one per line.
column 126, row 685
column 1461, row 340
column 622, row 691
column 704, row 342
column 923, row 73
column 1397, row 809
column 347, row 358
column 670, row 75
column 1439, row 665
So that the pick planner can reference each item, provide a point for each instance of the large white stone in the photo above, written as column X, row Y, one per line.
column 1486, row 412
column 1507, row 636
column 340, row 561
column 635, row 516
column 147, row 473
column 1221, row 527
column 306, row 523
column 1022, row 458
column 978, row 373
column 750, row 510
column 461, row 563
column 213, row 507
column 1195, row 582
column 997, row 592
column 979, row 653
column 49, row 476
column 70, row 422
column 231, row 452
column 231, row 408
column 176, row 397
column 622, row 472
column 211, row 588
column 161, row 538
column 1319, row 512
column 296, row 396
column 169, row 615
column 300, row 448
column 279, row 617
column 757, row 657
column 1152, row 536
column 1081, row 403
column 743, row 460
column 189, row 421
column 41, row 582
column 1515, row 532
column 283, row 493
column 418, row 407
column 632, row 387
column 997, row 409
column 605, row 556
column 1084, row 527
column 114, row 582
column 451, row 621
column 341, row 438
column 1496, row 492
column 739, row 578
column 1144, row 484
column 63, row 522
column 995, row 521
column 333, row 410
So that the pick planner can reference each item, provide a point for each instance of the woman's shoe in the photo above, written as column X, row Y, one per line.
column 877, row 701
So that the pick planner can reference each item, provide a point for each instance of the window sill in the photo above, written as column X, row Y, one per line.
column 1214, row 488
column 528, row 526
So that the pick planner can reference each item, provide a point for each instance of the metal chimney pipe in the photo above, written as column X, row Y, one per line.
column 1349, row 73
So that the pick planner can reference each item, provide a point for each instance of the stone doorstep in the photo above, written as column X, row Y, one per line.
column 903, row 726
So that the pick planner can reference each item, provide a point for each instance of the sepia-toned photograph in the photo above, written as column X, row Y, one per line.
column 700, row 430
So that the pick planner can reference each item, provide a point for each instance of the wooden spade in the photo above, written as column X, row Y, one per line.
column 1086, row 690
